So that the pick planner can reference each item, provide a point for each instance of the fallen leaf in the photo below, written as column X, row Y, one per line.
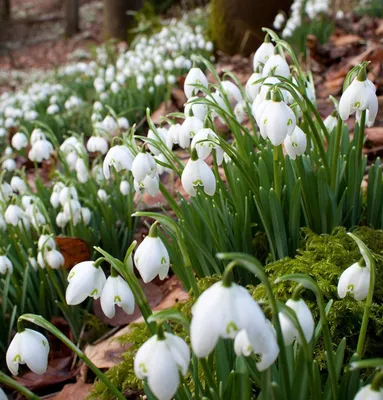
column 75, row 391
column 74, row 250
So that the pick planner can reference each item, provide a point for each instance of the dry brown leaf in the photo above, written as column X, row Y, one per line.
column 346, row 40
column 75, row 391
column 74, row 250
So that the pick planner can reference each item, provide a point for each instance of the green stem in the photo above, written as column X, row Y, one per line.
column 376, row 383
column 359, row 148
column 7, row 381
column 40, row 321
column 277, row 180
column 367, row 310
column 335, row 155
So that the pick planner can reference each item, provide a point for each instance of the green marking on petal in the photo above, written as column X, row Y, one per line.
column 94, row 292
column 45, row 344
column 294, row 144
column 289, row 122
column 198, row 182
column 350, row 287
column 265, row 121
column 231, row 327
column 357, row 104
column 117, row 299
column 72, row 274
column 163, row 260
column 17, row 358
column 143, row 367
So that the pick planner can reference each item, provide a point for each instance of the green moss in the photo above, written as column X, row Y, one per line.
column 324, row 257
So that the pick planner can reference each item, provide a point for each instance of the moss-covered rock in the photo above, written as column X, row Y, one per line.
column 324, row 257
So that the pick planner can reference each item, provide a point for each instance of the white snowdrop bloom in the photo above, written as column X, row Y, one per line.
column 98, row 174
column 62, row 219
column 251, row 88
column 33, row 263
column 85, row 279
column 161, row 137
column 13, row 215
column 69, row 144
column 339, row 15
column 143, row 165
column 9, row 165
column 86, row 215
column 277, row 121
column 97, row 144
column 82, row 171
column 53, row 109
column 209, row 46
column 197, row 173
column 174, row 132
column 120, row 157
column 240, row 111
column 359, row 96
column 31, row 115
column 97, row 106
column 159, row 80
column 223, row 312
column 233, row 93
column 3, row 224
column 37, row 135
column 266, row 345
column 46, row 242
column 53, row 258
column 279, row 21
column 72, row 209
column 356, row 281
column 116, row 292
column 115, row 87
column 125, row 188
column 9, row 123
column 160, row 168
column 27, row 200
column 19, row 141
column 6, row 265
column 3, row 132
column 40, row 151
column 6, row 192
column 263, row 53
column 28, row 347
column 305, row 319
column 160, row 360
column 295, row 144
column 123, row 123
column 330, row 122
column 8, row 151
column 168, row 65
column 193, row 108
column 189, row 128
column 109, row 126
column 150, row 185
column 95, row 117
column 35, row 216
column 67, row 193
column 102, row 195
column 3, row 396
column 194, row 77
column 368, row 393
column 276, row 65
column 204, row 142
column 151, row 257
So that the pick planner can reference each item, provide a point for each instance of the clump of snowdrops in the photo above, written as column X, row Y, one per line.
column 316, row 184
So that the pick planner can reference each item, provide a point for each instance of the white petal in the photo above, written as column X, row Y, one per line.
column 180, row 351
column 13, row 357
column 143, row 356
column 35, row 350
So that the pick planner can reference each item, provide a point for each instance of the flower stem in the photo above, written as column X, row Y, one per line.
column 367, row 309
column 362, row 124
column 7, row 381
column 43, row 323
column 335, row 156
column 377, row 382
column 277, row 181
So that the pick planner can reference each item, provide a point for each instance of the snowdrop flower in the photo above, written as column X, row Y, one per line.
column 160, row 360
column 368, row 393
column 18, row 185
column 193, row 108
column 174, row 132
column 160, row 168
column 124, row 188
column 67, row 193
column 51, row 258
column 150, row 185
column 277, row 120
column 116, row 292
column 233, row 93
column 13, row 215
column 19, row 141
column 223, row 312
column 97, row 144
column 53, row 109
column 189, row 128
column 86, row 215
column 5, row 192
column 355, row 280
column 151, row 257
column 263, row 53
column 72, row 210
column 9, row 165
column 204, row 141
column 3, row 132
column 143, row 165
column 8, row 151
column 359, row 96
column 109, row 125
column 5, row 265
column 194, row 77
column 82, row 171
column 36, row 135
column 3, row 224
column 279, row 21
column 162, row 137
column 276, row 65
column 85, row 279
column 252, row 89
column 267, row 348
column 305, row 319
column 197, row 173
column 295, row 144
column 240, row 111
column 331, row 121
column 3, row 396
column 28, row 347
column 41, row 150
column 120, row 157
column 123, row 123
column 102, row 195
column 46, row 242
column 62, row 219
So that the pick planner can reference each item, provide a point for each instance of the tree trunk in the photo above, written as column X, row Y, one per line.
column 237, row 25
column 5, row 9
column 117, row 17
column 72, row 17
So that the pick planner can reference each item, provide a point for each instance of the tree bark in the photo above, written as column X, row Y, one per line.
column 117, row 18
column 5, row 9
column 72, row 17
column 237, row 24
